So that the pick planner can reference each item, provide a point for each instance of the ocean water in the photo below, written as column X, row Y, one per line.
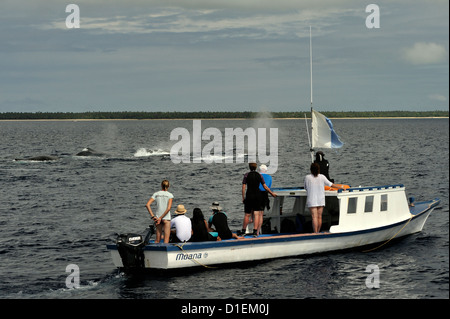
column 64, row 212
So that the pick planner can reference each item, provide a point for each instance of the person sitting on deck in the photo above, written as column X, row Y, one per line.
column 182, row 224
column 200, row 227
column 219, row 221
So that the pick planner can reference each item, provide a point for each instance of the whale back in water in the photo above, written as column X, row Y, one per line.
column 41, row 158
column 89, row 152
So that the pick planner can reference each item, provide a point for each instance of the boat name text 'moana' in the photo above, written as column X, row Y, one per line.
column 186, row 256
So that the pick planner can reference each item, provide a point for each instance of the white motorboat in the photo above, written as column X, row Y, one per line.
column 355, row 217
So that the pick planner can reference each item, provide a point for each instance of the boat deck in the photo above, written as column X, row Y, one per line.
column 421, row 207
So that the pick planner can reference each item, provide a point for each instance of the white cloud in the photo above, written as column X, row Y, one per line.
column 191, row 19
column 425, row 53
column 438, row 97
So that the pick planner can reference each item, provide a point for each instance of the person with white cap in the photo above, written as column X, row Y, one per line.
column 182, row 225
column 220, row 221
column 268, row 180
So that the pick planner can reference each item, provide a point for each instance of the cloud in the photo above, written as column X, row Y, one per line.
column 438, row 97
column 220, row 20
column 425, row 53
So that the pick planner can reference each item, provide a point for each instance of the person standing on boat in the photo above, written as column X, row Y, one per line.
column 268, row 180
column 253, row 199
column 315, row 189
column 324, row 165
column 182, row 225
column 161, row 217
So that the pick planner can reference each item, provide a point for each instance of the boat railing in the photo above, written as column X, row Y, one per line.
column 298, row 188
column 289, row 191
column 371, row 188
column 293, row 190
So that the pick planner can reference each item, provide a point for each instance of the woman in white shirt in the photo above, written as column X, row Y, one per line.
column 315, row 189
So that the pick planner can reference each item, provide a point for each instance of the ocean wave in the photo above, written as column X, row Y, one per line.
column 143, row 152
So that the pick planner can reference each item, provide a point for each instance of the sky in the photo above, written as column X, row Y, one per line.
column 223, row 55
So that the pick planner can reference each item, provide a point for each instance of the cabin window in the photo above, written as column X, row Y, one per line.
column 352, row 201
column 368, row 207
column 384, row 202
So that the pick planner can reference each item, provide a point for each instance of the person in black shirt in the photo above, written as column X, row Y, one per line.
column 200, row 227
column 220, row 221
column 323, row 164
column 253, row 199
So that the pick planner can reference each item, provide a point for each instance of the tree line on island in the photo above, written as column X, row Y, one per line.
column 128, row 115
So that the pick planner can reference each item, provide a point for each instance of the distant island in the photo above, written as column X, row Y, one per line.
column 208, row 115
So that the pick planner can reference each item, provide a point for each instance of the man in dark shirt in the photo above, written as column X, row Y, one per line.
column 253, row 200
column 323, row 164
column 220, row 221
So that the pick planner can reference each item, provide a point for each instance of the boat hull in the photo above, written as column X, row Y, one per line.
column 206, row 254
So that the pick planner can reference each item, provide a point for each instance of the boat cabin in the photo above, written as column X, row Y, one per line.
column 352, row 209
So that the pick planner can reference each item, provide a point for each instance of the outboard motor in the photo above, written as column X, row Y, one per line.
column 148, row 233
column 131, row 250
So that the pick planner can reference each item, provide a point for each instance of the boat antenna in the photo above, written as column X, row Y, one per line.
column 310, row 65
column 310, row 71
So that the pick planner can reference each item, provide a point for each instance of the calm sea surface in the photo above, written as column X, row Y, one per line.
column 53, row 214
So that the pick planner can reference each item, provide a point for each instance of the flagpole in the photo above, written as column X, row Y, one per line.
column 319, row 122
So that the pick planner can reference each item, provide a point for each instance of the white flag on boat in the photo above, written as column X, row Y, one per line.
column 323, row 134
